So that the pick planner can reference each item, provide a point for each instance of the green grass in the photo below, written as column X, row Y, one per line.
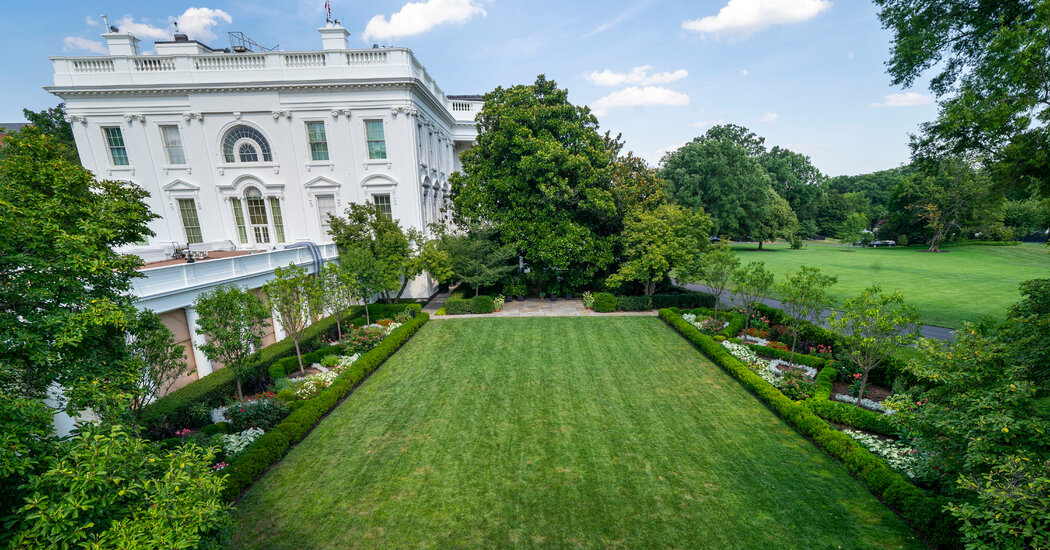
column 558, row 432
column 963, row 284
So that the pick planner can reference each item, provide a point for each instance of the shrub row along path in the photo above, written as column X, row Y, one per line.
column 558, row 432
column 728, row 299
column 530, row 307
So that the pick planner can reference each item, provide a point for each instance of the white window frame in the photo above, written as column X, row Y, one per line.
column 168, row 147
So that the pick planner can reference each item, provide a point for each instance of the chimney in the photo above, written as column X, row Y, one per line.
column 122, row 43
column 333, row 37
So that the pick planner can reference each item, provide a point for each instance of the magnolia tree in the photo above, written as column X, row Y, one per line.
column 805, row 298
column 293, row 295
column 234, row 319
column 873, row 326
column 750, row 284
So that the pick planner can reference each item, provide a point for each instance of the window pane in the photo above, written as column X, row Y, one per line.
column 190, row 222
column 257, row 217
column 238, row 215
column 238, row 132
column 173, row 144
column 117, row 152
column 382, row 203
column 278, row 221
column 248, row 153
column 325, row 207
column 375, row 138
column 318, row 143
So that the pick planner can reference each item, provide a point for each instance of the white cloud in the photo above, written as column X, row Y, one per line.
column 770, row 117
column 744, row 72
column 623, row 16
column 850, row 55
column 742, row 18
column 637, row 97
column 706, row 123
column 91, row 21
column 907, row 99
column 419, row 17
column 197, row 23
column 638, row 75
column 76, row 43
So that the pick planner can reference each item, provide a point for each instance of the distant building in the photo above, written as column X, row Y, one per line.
column 10, row 127
column 245, row 152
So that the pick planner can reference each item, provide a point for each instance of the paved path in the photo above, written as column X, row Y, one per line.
column 531, row 307
column 928, row 331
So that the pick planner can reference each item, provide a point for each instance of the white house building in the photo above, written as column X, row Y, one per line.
column 245, row 153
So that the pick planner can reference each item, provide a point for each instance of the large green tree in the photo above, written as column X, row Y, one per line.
column 660, row 240
column 720, row 174
column 800, row 183
column 992, row 63
column 52, row 121
column 65, row 299
column 779, row 221
column 540, row 176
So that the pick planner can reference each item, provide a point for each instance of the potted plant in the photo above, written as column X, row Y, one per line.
column 519, row 290
column 553, row 289
column 566, row 290
column 542, row 295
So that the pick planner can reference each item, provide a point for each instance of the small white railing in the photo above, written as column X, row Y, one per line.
column 304, row 60
column 377, row 57
column 229, row 62
column 154, row 64
column 461, row 106
column 93, row 65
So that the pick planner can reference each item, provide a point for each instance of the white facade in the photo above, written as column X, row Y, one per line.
column 252, row 150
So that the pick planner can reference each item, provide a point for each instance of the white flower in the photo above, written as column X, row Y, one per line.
column 866, row 403
column 777, row 365
column 900, row 456
column 234, row 443
column 218, row 414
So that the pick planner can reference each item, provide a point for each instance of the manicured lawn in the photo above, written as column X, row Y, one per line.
column 558, row 432
column 964, row 284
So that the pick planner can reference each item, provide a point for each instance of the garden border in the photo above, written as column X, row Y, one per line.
column 923, row 512
column 268, row 450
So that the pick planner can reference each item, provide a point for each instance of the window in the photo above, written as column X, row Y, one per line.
column 247, row 153
column 238, row 216
column 278, row 220
column 318, row 141
column 257, row 216
column 376, row 141
column 118, row 154
column 325, row 207
column 190, row 222
column 173, row 144
column 382, row 203
column 237, row 138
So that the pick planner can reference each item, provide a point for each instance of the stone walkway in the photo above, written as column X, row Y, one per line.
column 531, row 307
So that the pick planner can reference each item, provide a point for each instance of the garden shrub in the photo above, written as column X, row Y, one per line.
column 922, row 511
column 685, row 301
column 216, row 428
column 604, row 302
column 271, row 447
column 484, row 304
column 263, row 413
column 174, row 411
column 458, row 306
column 634, row 303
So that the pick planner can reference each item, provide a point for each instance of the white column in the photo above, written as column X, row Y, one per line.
column 197, row 340
column 278, row 330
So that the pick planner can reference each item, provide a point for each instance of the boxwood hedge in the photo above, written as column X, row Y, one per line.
column 924, row 512
column 271, row 446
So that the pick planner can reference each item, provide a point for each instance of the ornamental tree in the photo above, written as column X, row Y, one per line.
column 336, row 294
column 540, row 177
column 657, row 241
column 874, row 326
column 804, row 295
column 233, row 318
column 158, row 360
column 363, row 274
column 715, row 269
column 750, row 284
column 476, row 258
column 293, row 293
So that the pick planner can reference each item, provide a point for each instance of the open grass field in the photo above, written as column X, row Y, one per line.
column 965, row 283
column 558, row 433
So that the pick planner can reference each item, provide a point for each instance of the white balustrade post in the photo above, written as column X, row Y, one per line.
column 196, row 341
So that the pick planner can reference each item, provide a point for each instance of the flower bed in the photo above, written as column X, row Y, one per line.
column 866, row 403
column 780, row 366
column 900, row 456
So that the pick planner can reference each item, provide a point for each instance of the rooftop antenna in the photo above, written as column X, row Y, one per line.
column 176, row 23
column 105, row 23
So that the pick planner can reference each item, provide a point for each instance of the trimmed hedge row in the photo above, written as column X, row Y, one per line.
column 271, row 446
column 736, row 321
column 800, row 358
column 844, row 413
column 173, row 411
column 686, row 300
column 634, row 303
column 923, row 512
column 482, row 303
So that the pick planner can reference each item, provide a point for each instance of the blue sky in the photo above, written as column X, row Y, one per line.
column 806, row 74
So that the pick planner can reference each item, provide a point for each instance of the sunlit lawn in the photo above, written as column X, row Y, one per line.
column 963, row 284
column 558, row 433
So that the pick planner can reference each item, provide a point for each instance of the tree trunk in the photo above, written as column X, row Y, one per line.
column 298, row 354
column 747, row 318
column 240, row 392
column 794, row 342
column 386, row 297
column 863, row 384
column 367, row 321
column 404, row 285
column 718, row 298
column 936, row 241
column 339, row 326
column 760, row 244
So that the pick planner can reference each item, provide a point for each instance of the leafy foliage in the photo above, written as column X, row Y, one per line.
column 158, row 361
column 233, row 318
column 292, row 293
column 805, row 298
column 657, row 241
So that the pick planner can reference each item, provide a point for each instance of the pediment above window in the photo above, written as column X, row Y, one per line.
column 321, row 183
column 181, row 187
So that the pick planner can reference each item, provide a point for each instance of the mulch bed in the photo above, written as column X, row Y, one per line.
column 308, row 372
column 874, row 392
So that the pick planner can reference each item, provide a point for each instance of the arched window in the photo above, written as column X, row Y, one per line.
column 265, row 221
column 248, row 143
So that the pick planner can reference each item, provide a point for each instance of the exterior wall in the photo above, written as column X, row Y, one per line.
column 175, row 321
